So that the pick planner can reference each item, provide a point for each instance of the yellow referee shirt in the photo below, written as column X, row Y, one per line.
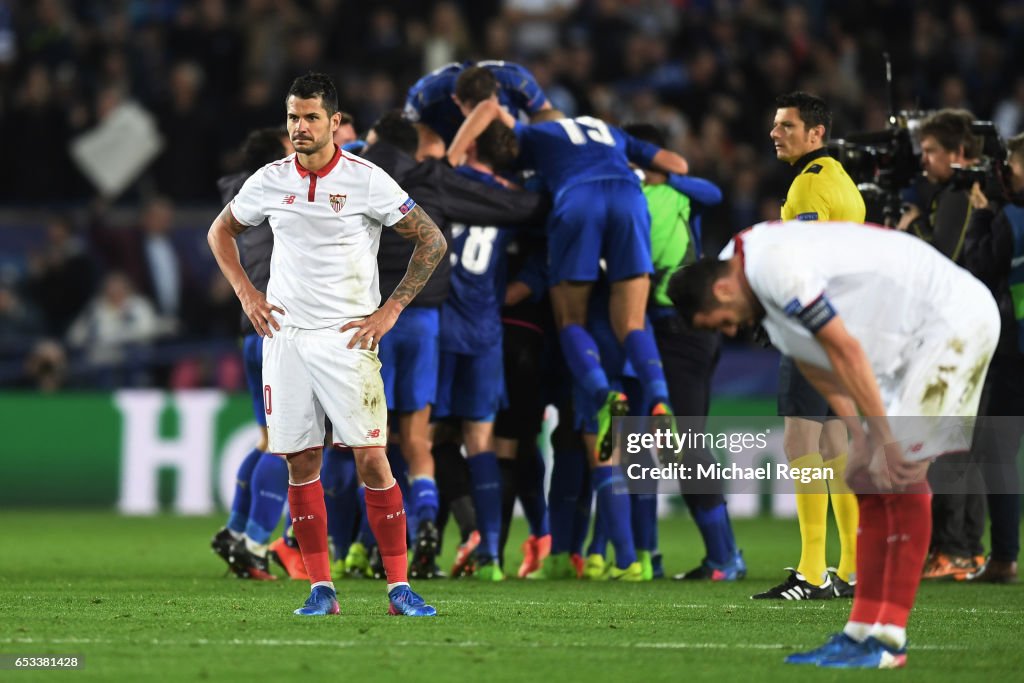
column 822, row 192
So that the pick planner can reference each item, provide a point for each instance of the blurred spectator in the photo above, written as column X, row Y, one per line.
column 1009, row 113
column 46, row 367
column 449, row 38
column 19, row 323
column 61, row 277
column 151, row 262
column 114, row 320
column 534, row 23
column 184, row 170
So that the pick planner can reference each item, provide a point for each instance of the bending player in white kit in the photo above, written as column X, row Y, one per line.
column 878, row 321
column 321, row 323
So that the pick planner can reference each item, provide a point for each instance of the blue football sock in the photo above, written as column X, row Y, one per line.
column 566, row 481
column 567, row 474
column 399, row 468
column 716, row 531
column 584, row 360
column 613, row 506
column 530, row 489
column 485, row 478
column 366, row 536
column 581, row 516
column 424, row 498
column 339, row 480
column 645, row 520
column 643, row 355
column 269, row 494
column 242, row 500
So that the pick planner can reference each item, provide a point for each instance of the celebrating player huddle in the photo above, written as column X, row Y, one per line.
column 532, row 310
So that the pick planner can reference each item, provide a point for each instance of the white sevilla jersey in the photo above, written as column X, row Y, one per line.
column 327, row 225
column 895, row 293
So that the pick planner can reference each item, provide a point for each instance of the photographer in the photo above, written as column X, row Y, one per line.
column 993, row 244
column 940, row 210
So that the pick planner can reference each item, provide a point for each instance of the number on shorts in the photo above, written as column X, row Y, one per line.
column 267, row 405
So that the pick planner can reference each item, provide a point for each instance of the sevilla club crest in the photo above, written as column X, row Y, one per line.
column 338, row 202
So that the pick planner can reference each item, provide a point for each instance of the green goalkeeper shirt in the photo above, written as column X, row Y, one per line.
column 672, row 245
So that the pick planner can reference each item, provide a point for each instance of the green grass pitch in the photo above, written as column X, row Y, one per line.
column 144, row 599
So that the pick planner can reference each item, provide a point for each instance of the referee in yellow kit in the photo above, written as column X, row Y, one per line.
column 821, row 191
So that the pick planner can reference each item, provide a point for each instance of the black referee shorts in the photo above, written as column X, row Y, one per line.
column 797, row 397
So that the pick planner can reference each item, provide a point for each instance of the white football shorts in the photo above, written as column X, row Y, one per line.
column 309, row 374
column 933, row 403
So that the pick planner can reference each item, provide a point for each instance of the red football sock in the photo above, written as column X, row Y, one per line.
column 386, row 514
column 910, row 532
column 872, row 550
column 309, row 524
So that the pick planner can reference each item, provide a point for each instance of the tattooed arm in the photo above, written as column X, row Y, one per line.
column 429, row 250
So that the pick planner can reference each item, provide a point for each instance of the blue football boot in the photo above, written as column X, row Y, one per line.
column 405, row 603
column 321, row 602
column 872, row 654
column 839, row 644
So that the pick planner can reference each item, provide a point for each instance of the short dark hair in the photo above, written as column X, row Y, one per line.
column 398, row 131
column 497, row 146
column 316, row 85
column 690, row 288
column 951, row 128
column 647, row 132
column 475, row 84
column 262, row 147
column 813, row 110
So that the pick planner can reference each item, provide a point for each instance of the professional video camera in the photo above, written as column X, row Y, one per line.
column 882, row 163
column 991, row 172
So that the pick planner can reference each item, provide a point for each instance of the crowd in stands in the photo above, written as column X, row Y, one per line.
column 89, row 291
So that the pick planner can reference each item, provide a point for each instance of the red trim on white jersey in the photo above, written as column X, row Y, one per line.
column 353, row 159
column 311, row 195
column 303, row 171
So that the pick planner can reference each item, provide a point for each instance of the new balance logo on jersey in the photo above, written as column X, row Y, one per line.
column 373, row 434
column 288, row 199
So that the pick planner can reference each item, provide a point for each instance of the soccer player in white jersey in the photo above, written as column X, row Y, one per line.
column 321, row 323
column 883, row 324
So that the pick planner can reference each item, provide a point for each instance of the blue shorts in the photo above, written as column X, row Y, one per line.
column 602, row 219
column 471, row 387
column 409, row 357
column 252, row 360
